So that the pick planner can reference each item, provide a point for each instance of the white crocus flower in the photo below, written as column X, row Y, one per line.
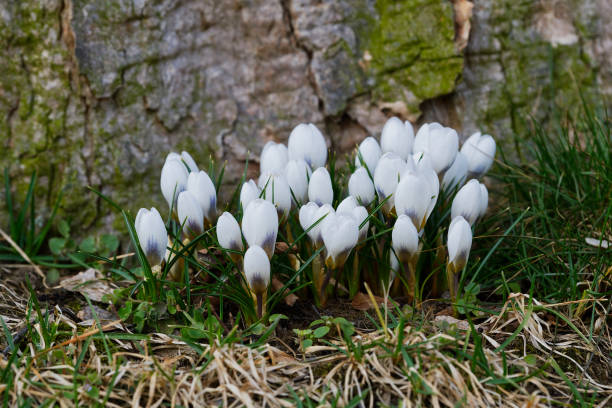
column 484, row 200
column 203, row 189
column 340, row 235
column 228, row 234
column 185, row 158
column 351, row 207
column 386, row 177
column 306, row 216
column 397, row 137
column 173, row 180
column 257, row 273
column 361, row 187
column 413, row 197
column 479, row 150
column 468, row 202
column 190, row 214
column 274, row 158
column 298, row 173
column 260, row 225
column 425, row 170
column 276, row 190
column 249, row 192
column 456, row 175
column 459, row 243
column 405, row 238
column 440, row 143
column 320, row 188
column 307, row 143
column 369, row 152
column 152, row 234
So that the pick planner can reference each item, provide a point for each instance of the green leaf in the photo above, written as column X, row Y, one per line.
column 88, row 245
column 125, row 311
column 56, row 245
column 63, row 228
column 110, row 242
column 53, row 276
column 306, row 343
column 321, row 331
column 531, row 359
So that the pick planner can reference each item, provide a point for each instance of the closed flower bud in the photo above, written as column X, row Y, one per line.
column 468, row 202
column 190, row 214
column 361, row 187
column 228, row 232
column 260, row 225
column 152, row 235
column 203, row 189
column 320, row 188
column 412, row 198
column 276, row 190
column 274, row 158
column 405, row 238
column 173, row 180
column 441, row 143
column 424, row 169
column 298, row 173
column 459, row 242
column 350, row 207
column 340, row 236
column 185, row 158
column 397, row 137
column 456, row 175
column 484, row 200
column 369, row 152
column 479, row 150
column 257, row 274
column 249, row 192
column 307, row 143
column 386, row 177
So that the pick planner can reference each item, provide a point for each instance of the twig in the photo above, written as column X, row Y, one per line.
column 24, row 256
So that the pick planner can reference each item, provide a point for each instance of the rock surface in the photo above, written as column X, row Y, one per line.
column 96, row 93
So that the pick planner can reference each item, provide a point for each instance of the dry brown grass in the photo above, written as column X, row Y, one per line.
column 437, row 366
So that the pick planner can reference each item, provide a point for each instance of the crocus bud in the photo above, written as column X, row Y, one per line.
column 361, row 187
column 249, row 192
column 387, row 176
column 425, row 170
column 274, row 158
column 456, row 175
column 405, row 238
column 260, row 225
column 228, row 234
column 203, row 189
column 459, row 243
column 412, row 198
column 441, row 143
column 257, row 274
column 276, row 190
column 307, row 143
column 350, row 207
column 484, row 200
column 479, row 150
column 152, row 234
column 298, row 173
column 190, row 214
column 320, row 187
column 189, row 162
column 173, row 180
column 340, row 237
column 369, row 152
column 306, row 215
column 468, row 202
column 397, row 137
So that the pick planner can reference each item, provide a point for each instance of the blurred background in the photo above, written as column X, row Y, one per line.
column 96, row 93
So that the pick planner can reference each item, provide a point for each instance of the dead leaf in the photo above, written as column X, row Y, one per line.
column 463, row 13
column 89, row 283
column 290, row 298
column 450, row 320
column 361, row 301
column 89, row 319
column 597, row 242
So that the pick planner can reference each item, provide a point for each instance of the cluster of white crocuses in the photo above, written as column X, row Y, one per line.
column 192, row 196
